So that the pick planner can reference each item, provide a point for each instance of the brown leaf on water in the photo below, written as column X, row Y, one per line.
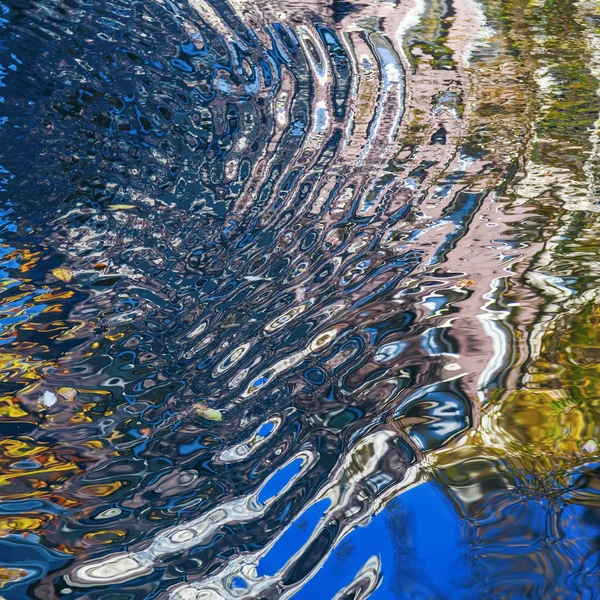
column 63, row 274
column 100, row 266
column 466, row 283
column 67, row 393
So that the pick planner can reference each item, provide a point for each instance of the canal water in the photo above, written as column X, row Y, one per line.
column 299, row 299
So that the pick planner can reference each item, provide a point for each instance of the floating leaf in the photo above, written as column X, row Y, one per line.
column 590, row 446
column 48, row 399
column 100, row 266
column 67, row 393
column 466, row 283
column 211, row 414
column 63, row 274
column 121, row 206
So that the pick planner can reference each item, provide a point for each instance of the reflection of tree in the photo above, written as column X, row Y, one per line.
column 523, row 478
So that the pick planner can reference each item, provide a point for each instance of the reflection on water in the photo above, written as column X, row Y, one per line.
column 299, row 299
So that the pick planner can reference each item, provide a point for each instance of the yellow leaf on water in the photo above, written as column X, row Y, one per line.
column 121, row 206
column 208, row 413
column 63, row 274
column 67, row 393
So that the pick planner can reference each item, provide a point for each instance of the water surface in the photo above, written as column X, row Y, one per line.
column 299, row 299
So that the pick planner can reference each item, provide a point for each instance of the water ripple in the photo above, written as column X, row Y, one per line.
column 298, row 299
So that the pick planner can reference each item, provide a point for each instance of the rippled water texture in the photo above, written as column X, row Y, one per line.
column 299, row 299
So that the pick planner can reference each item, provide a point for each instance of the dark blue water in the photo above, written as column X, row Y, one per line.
column 277, row 301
